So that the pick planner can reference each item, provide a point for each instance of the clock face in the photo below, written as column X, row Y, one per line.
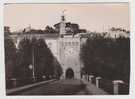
column 70, row 51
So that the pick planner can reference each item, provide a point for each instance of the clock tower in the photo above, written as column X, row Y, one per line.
column 69, row 51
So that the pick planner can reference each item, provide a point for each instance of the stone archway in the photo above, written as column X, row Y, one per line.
column 69, row 73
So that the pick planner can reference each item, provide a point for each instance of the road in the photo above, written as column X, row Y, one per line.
column 61, row 87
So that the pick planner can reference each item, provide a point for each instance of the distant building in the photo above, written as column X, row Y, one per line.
column 118, row 32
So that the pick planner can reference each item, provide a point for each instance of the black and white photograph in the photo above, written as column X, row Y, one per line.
column 67, row 49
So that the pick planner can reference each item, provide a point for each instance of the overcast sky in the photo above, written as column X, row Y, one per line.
column 94, row 17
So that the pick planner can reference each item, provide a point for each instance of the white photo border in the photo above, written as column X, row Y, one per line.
column 132, row 50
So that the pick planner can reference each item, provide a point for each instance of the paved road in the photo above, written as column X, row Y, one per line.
column 61, row 87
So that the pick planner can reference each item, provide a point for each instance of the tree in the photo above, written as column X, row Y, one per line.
column 34, row 52
column 43, row 59
column 10, row 57
column 24, row 59
column 107, row 57
column 57, row 69
column 49, row 29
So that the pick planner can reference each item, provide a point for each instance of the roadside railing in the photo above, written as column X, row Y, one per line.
column 116, row 87
column 17, row 90
column 13, row 83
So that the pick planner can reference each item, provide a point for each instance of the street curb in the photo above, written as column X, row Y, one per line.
column 11, row 91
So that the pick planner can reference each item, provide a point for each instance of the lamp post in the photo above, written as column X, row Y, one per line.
column 33, row 70
column 32, row 67
column 33, row 75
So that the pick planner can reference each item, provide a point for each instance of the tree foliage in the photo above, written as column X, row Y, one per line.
column 107, row 57
column 34, row 52
column 24, row 59
column 49, row 29
column 10, row 57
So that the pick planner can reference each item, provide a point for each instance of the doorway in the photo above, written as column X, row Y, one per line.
column 69, row 73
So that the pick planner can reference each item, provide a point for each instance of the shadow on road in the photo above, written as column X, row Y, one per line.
column 61, row 87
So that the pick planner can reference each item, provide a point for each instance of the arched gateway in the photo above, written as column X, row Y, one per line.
column 69, row 52
column 69, row 73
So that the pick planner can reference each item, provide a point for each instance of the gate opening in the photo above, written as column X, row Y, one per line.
column 69, row 73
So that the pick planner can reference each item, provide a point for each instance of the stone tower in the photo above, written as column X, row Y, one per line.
column 62, row 25
column 69, row 51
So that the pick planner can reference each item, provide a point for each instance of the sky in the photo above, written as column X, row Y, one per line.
column 98, row 17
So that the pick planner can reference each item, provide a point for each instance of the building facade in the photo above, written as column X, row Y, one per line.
column 65, row 47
